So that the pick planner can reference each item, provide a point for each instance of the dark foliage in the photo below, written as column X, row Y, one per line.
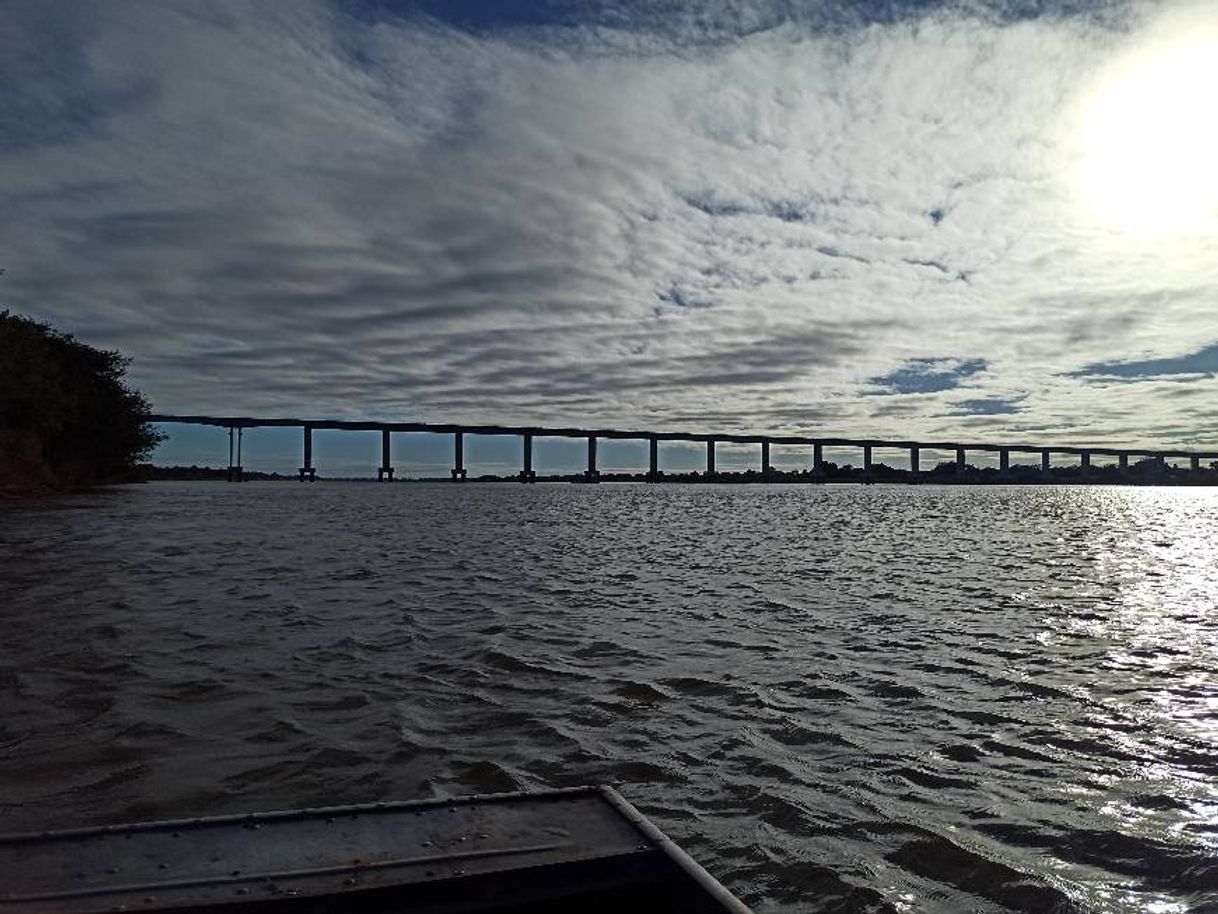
column 73, row 400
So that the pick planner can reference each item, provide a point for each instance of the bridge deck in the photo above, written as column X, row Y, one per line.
column 243, row 422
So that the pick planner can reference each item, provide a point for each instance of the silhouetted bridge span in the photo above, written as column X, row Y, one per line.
column 237, row 424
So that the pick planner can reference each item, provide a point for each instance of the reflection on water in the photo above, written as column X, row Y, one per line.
column 839, row 699
column 1155, row 590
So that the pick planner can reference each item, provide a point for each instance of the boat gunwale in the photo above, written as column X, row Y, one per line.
column 556, row 793
column 686, row 864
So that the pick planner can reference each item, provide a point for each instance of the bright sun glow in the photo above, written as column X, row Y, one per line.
column 1150, row 141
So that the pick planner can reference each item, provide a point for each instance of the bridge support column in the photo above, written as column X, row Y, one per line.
column 961, row 460
column 915, row 462
column 1123, row 464
column 1044, row 463
column 1194, row 463
column 385, row 471
column 1084, row 463
column 307, row 471
column 710, row 458
column 527, row 474
column 818, row 460
column 767, row 471
column 1004, row 462
column 592, row 474
column 867, row 462
column 653, row 459
column 458, row 457
column 234, row 468
column 1160, row 464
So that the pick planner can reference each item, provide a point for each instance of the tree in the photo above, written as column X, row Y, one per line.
column 69, row 403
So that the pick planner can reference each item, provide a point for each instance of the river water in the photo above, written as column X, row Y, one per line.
column 837, row 698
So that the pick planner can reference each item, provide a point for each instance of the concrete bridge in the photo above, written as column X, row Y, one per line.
column 237, row 424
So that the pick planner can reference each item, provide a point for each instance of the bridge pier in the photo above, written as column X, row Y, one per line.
column 1194, row 463
column 1004, row 462
column 867, row 461
column 1123, row 464
column 767, row 471
column 818, row 460
column 234, row 469
column 915, row 462
column 307, row 471
column 1084, row 463
column 961, row 460
column 458, row 470
column 710, row 458
column 385, row 471
column 1045, row 468
column 592, row 474
column 527, row 474
column 653, row 459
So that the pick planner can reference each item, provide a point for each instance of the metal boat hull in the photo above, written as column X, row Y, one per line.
column 584, row 849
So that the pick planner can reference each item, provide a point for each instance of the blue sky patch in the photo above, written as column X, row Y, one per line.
column 681, row 299
column 708, row 18
column 1203, row 361
column 928, row 375
column 987, row 406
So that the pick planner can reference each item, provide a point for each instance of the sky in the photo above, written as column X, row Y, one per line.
column 986, row 220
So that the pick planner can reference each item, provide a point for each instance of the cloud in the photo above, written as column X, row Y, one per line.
column 730, row 215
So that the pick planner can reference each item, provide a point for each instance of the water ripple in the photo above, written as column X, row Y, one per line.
column 841, row 699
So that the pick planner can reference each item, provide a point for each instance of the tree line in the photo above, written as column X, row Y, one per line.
column 67, row 415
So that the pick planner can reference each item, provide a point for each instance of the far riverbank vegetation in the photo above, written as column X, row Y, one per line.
column 1142, row 472
column 67, row 416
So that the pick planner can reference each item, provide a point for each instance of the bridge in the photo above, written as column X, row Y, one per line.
column 236, row 426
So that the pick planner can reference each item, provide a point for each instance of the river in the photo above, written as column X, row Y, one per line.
column 837, row 698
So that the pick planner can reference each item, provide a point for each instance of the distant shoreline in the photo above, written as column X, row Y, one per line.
column 944, row 474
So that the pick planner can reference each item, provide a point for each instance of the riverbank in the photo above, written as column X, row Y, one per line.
column 25, row 471
column 946, row 474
